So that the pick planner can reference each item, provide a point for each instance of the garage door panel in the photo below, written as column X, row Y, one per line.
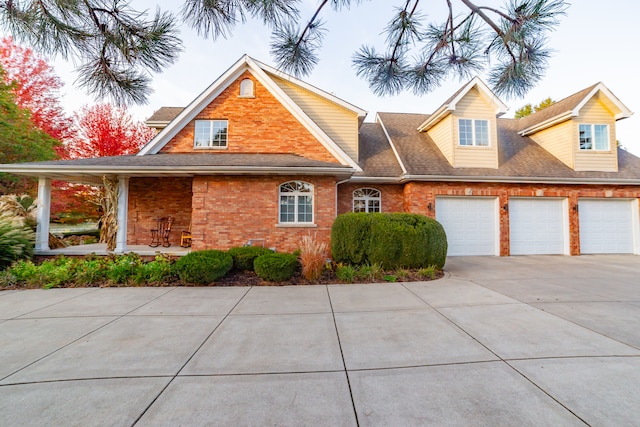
column 537, row 226
column 606, row 226
column 470, row 224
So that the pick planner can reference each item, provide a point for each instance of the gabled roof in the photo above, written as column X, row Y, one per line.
column 450, row 104
column 570, row 107
column 521, row 159
column 260, row 72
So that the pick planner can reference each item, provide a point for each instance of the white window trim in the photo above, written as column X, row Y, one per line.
column 366, row 199
column 210, row 147
column 473, row 133
column 593, row 137
column 296, row 194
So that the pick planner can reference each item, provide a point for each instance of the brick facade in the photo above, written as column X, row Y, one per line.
column 420, row 197
column 152, row 198
column 260, row 124
column 229, row 211
column 392, row 196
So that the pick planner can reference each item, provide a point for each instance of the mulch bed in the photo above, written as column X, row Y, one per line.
column 249, row 278
column 246, row 278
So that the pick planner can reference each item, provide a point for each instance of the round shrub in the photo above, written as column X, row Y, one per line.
column 392, row 240
column 276, row 267
column 350, row 236
column 203, row 267
column 244, row 256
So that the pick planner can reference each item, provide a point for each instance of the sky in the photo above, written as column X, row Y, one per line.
column 595, row 42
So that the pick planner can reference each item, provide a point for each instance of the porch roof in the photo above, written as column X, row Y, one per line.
column 176, row 164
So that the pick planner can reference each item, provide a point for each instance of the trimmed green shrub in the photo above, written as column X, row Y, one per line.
column 203, row 267
column 244, row 256
column 16, row 241
column 350, row 235
column 392, row 240
column 276, row 267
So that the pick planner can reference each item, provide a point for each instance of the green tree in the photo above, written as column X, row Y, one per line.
column 20, row 140
column 117, row 46
column 528, row 109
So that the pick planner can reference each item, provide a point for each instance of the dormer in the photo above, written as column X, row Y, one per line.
column 464, row 127
column 580, row 130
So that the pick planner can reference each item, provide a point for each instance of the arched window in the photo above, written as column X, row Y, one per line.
column 246, row 88
column 366, row 200
column 296, row 202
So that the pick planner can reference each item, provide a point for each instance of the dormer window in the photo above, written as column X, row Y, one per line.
column 473, row 132
column 210, row 134
column 594, row 137
column 246, row 88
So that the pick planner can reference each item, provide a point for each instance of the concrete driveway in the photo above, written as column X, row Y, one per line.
column 501, row 341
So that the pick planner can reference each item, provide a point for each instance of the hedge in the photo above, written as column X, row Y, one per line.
column 276, row 267
column 393, row 240
column 203, row 267
column 244, row 256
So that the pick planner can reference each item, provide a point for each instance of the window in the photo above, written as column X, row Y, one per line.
column 594, row 137
column 246, row 88
column 366, row 200
column 473, row 132
column 296, row 202
column 210, row 134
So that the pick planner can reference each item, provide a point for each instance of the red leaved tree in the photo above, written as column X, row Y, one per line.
column 104, row 130
column 36, row 88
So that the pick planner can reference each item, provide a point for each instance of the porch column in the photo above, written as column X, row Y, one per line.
column 43, row 214
column 123, row 211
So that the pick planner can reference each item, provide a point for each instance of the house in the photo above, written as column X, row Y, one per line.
column 260, row 155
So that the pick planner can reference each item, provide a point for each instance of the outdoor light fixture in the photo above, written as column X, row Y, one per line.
column 505, row 207
column 430, row 207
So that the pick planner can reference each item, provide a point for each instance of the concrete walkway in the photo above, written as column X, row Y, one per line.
column 501, row 341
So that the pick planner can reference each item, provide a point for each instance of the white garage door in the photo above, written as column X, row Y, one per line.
column 538, row 226
column 470, row 223
column 606, row 226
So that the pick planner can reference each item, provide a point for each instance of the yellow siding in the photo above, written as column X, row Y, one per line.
column 441, row 135
column 558, row 141
column 340, row 124
column 476, row 157
column 595, row 112
column 474, row 106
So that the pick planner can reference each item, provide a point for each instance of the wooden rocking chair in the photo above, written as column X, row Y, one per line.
column 160, row 235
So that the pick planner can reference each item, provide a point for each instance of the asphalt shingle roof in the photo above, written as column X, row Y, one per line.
column 194, row 160
column 562, row 106
column 519, row 157
column 165, row 114
column 376, row 158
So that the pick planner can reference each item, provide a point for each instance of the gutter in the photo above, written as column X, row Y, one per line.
column 176, row 170
column 520, row 180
